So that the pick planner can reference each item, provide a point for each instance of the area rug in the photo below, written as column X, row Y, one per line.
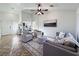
column 21, row 52
column 34, row 47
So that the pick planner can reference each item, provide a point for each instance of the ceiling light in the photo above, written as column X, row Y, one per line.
column 39, row 11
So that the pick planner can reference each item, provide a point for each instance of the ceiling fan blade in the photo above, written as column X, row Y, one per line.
column 33, row 10
column 45, row 10
column 35, row 13
column 42, row 12
column 39, row 5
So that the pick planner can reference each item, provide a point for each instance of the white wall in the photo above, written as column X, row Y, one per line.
column 7, row 21
column 66, row 21
column 27, row 17
column 77, row 25
column 0, row 29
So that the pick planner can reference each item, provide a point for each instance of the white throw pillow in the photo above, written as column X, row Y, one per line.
column 61, row 35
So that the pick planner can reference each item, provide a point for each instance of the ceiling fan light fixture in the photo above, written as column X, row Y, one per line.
column 39, row 13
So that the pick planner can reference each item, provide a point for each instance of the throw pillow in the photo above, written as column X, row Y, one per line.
column 61, row 35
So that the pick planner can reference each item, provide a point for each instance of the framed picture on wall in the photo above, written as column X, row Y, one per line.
column 50, row 23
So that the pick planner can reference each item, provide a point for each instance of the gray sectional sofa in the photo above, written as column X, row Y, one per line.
column 55, row 49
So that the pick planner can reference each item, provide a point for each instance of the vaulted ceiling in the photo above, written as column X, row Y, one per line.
column 9, row 8
column 21, row 6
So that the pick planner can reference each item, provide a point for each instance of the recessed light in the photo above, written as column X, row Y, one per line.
column 51, row 6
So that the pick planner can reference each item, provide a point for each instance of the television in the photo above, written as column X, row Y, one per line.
column 50, row 23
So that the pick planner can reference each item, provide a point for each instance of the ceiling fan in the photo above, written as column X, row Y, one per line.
column 39, row 11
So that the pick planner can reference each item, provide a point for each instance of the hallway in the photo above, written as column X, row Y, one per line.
column 10, row 45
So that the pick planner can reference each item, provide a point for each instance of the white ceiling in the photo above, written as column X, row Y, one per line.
column 61, row 5
column 21, row 6
column 16, row 7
